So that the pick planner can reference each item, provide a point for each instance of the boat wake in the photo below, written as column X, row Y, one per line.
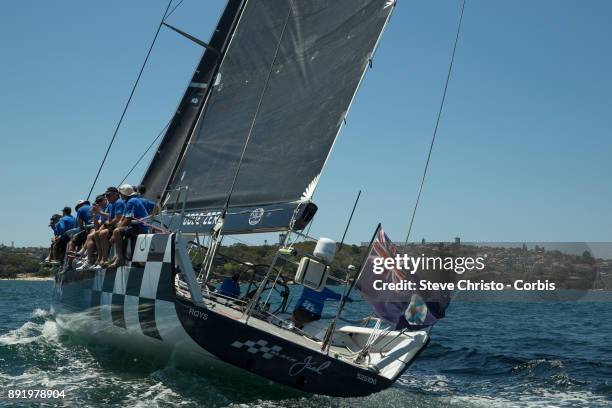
column 472, row 377
column 38, row 355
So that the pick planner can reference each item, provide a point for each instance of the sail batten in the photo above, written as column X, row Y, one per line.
column 322, row 57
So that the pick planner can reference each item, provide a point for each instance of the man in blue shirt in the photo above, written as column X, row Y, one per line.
column 129, row 226
column 65, row 225
column 52, row 224
column 83, row 209
column 114, row 214
column 149, row 204
column 230, row 286
column 83, row 218
column 92, row 243
column 310, row 305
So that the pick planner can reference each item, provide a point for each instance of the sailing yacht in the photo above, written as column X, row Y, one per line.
column 243, row 155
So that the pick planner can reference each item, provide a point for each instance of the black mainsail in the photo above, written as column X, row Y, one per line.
column 276, row 105
column 172, row 145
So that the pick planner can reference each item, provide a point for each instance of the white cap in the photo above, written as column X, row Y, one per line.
column 80, row 203
column 126, row 190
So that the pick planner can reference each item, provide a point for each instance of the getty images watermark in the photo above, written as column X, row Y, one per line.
column 496, row 271
column 402, row 265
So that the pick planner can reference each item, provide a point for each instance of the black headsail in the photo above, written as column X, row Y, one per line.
column 172, row 145
column 281, row 94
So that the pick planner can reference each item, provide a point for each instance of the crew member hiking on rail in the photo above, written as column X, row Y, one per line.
column 65, row 226
column 129, row 227
column 92, row 244
column 83, row 219
column 52, row 224
column 115, row 211
column 149, row 204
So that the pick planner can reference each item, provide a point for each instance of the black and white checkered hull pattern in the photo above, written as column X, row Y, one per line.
column 131, row 297
column 134, row 303
column 260, row 346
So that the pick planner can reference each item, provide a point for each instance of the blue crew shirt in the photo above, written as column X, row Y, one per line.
column 84, row 214
column 229, row 288
column 136, row 209
column 313, row 301
column 148, row 204
column 109, row 210
column 115, row 209
column 67, row 222
column 101, row 218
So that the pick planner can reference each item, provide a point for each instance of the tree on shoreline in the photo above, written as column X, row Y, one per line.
column 13, row 264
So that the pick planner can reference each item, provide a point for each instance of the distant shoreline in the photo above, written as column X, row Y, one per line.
column 28, row 278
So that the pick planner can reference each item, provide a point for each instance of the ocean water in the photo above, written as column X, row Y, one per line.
column 484, row 354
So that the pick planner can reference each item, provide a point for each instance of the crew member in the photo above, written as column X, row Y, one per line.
column 52, row 224
column 115, row 210
column 310, row 305
column 130, row 225
column 149, row 204
column 83, row 218
column 64, row 227
column 230, row 286
column 92, row 244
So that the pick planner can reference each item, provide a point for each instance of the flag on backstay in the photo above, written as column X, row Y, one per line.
column 410, row 309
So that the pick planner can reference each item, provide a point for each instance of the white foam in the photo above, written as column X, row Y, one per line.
column 538, row 398
column 27, row 333
column 431, row 383
column 156, row 395
column 40, row 313
column 31, row 331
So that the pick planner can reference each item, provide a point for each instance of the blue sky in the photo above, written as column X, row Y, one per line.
column 524, row 147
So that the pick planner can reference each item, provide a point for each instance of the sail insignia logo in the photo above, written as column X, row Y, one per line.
column 256, row 216
column 202, row 218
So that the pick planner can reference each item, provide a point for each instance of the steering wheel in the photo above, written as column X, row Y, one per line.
column 281, row 287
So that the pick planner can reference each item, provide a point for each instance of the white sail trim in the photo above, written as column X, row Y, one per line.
column 310, row 189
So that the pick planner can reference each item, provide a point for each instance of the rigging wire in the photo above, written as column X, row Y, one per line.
column 173, row 9
column 435, row 132
column 146, row 151
column 349, row 221
column 129, row 99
